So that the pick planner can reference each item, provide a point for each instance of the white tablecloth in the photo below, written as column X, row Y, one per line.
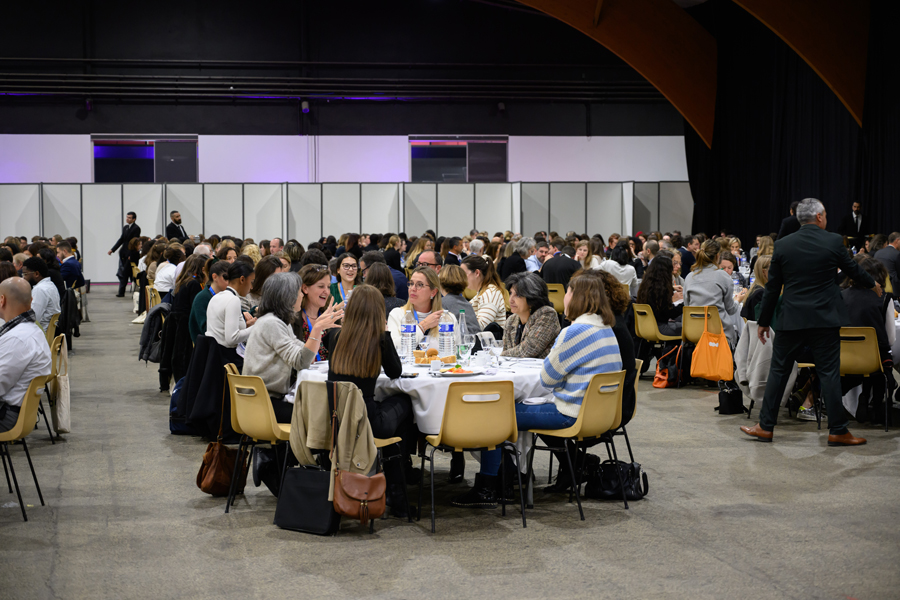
column 430, row 393
column 895, row 349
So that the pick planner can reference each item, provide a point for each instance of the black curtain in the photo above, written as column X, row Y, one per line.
column 782, row 135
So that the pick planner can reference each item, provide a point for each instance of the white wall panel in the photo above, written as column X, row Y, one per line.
column 103, row 220
column 567, row 207
column 187, row 199
column 252, row 158
column 493, row 207
column 646, row 207
column 380, row 207
column 455, row 209
column 304, row 212
column 420, row 207
column 605, row 213
column 20, row 210
column 371, row 158
column 628, row 192
column 516, row 206
column 146, row 201
column 340, row 208
column 62, row 209
column 535, row 208
column 222, row 207
column 262, row 211
column 46, row 158
column 676, row 206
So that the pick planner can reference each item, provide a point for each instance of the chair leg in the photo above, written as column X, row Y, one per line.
column 403, row 480
column 46, row 422
column 502, row 483
column 432, row 488
column 749, row 410
column 888, row 400
column 238, row 463
column 6, row 470
column 287, row 454
column 628, row 443
column 12, row 469
column 619, row 472
column 33, row 474
column 572, row 475
column 421, row 486
column 550, row 470
column 521, row 487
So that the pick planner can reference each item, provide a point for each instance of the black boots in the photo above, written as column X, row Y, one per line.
column 457, row 467
column 482, row 495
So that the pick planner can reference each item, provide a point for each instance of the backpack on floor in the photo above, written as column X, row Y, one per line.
column 178, row 424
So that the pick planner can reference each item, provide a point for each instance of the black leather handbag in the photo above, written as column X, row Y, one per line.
column 303, row 503
column 603, row 481
column 731, row 399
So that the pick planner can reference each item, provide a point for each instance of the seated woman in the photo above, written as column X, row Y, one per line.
column 754, row 296
column 584, row 253
column 393, row 251
column 227, row 253
column 225, row 321
column 426, row 307
column 165, row 272
column 317, row 301
column 534, row 325
column 251, row 250
column 359, row 350
column 707, row 285
column 378, row 275
column 348, row 277
column 657, row 292
column 265, row 268
column 567, row 372
column 619, row 264
column 728, row 262
column 766, row 248
column 453, row 284
column 177, row 350
column 217, row 283
column 293, row 252
column 489, row 303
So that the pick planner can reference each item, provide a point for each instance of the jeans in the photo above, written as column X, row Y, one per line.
column 528, row 416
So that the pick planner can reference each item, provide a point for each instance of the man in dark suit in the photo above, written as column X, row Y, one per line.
column 790, row 224
column 854, row 228
column 812, row 313
column 688, row 252
column 890, row 258
column 175, row 229
column 455, row 251
column 69, row 267
column 130, row 231
column 559, row 268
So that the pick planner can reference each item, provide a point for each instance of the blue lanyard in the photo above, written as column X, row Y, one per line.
column 342, row 290
column 416, row 315
column 212, row 291
column 309, row 328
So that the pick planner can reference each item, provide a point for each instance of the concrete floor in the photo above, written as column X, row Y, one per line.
column 726, row 517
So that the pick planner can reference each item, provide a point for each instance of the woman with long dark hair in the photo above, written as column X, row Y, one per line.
column 658, row 293
column 619, row 264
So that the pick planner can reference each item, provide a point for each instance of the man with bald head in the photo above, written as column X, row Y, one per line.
column 24, row 353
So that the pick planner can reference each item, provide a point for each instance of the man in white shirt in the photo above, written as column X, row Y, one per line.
column 45, row 296
column 541, row 252
column 24, row 353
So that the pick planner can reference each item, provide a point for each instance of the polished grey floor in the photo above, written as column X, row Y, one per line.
column 726, row 517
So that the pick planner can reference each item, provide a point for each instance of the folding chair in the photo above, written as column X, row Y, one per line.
column 24, row 425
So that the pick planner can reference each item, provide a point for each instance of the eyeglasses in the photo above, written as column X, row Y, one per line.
column 417, row 285
column 349, row 267
column 419, row 263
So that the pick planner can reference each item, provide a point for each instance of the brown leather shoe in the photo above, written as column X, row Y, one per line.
column 758, row 432
column 846, row 439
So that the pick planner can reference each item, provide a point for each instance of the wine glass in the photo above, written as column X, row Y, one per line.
column 496, row 348
column 464, row 350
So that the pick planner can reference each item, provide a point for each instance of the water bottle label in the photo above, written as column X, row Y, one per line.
column 445, row 328
column 408, row 329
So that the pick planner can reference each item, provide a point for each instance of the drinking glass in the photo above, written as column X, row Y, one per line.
column 464, row 350
column 496, row 348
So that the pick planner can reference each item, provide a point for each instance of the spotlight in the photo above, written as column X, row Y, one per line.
column 304, row 106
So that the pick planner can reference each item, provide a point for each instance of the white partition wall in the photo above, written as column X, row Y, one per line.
column 102, row 223
column 20, row 209
column 605, row 214
column 61, row 204
column 455, row 209
column 223, row 209
column 304, row 210
column 420, row 207
column 646, row 206
column 535, row 208
column 187, row 199
column 380, row 207
column 516, row 191
column 262, row 211
column 340, row 208
column 493, row 207
column 676, row 206
column 146, row 201
column 567, row 207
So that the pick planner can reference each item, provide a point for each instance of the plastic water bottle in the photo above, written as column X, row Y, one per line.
column 752, row 280
column 737, row 283
column 463, row 330
column 854, row 250
column 743, row 258
column 446, row 335
column 408, row 338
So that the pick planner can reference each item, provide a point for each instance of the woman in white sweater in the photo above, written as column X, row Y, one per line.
column 225, row 321
column 425, row 304
column 618, row 265
column 489, row 302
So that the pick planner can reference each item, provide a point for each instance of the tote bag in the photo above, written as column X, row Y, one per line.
column 712, row 357
column 59, row 405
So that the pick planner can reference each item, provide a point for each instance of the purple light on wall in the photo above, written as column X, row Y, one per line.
column 132, row 152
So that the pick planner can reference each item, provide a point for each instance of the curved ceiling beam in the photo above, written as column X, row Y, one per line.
column 832, row 36
column 660, row 41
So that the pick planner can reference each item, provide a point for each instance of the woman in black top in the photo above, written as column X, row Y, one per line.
column 177, row 343
column 755, row 293
column 358, row 351
column 379, row 276
column 657, row 292
column 392, row 252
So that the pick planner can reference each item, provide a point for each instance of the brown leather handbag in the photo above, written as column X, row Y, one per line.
column 355, row 495
column 217, row 468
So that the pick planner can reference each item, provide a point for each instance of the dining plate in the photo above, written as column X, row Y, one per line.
column 474, row 371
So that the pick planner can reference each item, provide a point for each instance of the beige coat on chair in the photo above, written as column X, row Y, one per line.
column 752, row 361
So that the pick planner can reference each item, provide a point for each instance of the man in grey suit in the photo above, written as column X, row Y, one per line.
column 812, row 313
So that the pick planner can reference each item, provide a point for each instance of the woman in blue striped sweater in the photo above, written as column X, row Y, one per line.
column 583, row 349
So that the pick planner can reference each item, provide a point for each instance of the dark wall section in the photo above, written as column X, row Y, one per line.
column 450, row 62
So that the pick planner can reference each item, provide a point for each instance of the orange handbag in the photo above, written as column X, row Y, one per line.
column 712, row 357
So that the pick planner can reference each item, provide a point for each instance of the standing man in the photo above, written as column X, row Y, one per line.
column 453, row 254
column 812, row 313
column 276, row 245
column 852, row 226
column 131, row 230
column 175, row 229
column 790, row 224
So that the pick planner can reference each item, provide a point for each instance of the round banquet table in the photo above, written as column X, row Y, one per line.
column 429, row 393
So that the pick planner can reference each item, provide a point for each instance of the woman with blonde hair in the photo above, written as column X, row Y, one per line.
column 766, row 248
column 412, row 255
column 584, row 253
column 252, row 250
column 755, row 294
column 393, row 252
column 426, row 307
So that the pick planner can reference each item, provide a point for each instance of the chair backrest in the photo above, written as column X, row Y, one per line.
column 51, row 328
column 638, row 364
column 253, row 410
column 601, row 407
column 55, row 347
column 557, row 294
column 28, row 411
column 645, row 325
column 468, row 294
column 155, row 298
column 479, row 414
column 134, row 271
column 888, row 286
column 859, row 351
column 692, row 322
column 231, row 369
